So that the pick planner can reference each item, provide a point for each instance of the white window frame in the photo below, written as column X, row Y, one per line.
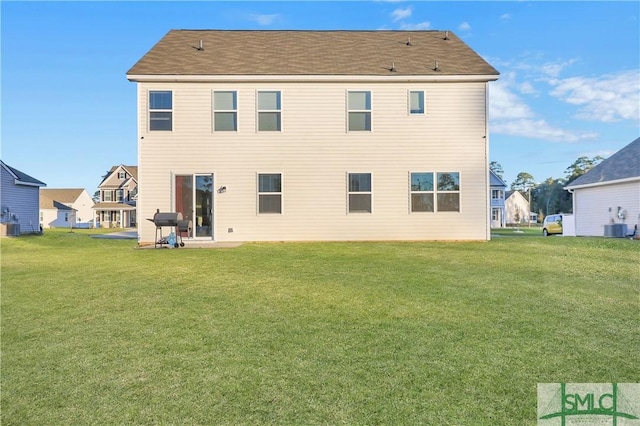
column 432, row 192
column 349, row 193
column 499, row 192
column 259, row 193
column 163, row 110
column 213, row 108
column 369, row 111
column 424, row 101
column 259, row 111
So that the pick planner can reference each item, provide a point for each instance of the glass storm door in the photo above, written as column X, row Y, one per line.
column 194, row 199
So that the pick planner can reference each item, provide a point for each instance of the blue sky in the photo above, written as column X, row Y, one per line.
column 569, row 84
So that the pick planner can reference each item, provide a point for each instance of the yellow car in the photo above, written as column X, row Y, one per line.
column 552, row 225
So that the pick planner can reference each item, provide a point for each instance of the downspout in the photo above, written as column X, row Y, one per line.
column 486, row 163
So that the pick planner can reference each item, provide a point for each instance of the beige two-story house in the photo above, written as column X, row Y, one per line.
column 116, row 205
column 314, row 135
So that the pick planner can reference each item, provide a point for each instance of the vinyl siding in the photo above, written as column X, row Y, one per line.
column 591, row 207
column 23, row 201
column 314, row 152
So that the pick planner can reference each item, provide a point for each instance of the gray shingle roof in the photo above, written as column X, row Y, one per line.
column 311, row 53
column 624, row 164
column 23, row 177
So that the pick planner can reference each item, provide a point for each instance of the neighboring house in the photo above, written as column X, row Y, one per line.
column 19, row 202
column 608, row 194
column 314, row 135
column 498, row 187
column 516, row 208
column 116, row 207
column 66, row 208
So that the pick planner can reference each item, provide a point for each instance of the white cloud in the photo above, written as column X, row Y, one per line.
column 527, row 88
column 264, row 20
column 505, row 105
column 608, row 98
column 419, row 26
column 464, row 26
column 510, row 115
column 400, row 14
column 553, row 69
column 505, row 17
column 538, row 129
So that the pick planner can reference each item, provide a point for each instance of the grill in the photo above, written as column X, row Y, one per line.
column 170, row 220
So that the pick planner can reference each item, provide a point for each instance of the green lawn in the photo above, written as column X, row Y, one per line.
column 96, row 332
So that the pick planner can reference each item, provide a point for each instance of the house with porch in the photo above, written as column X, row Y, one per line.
column 498, row 187
column 66, row 208
column 19, row 202
column 314, row 135
column 116, row 206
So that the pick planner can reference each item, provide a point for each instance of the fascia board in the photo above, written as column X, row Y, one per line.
column 312, row 78
column 608, row 182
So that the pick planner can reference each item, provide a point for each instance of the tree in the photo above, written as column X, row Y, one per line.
column 523, row 182
column 96, row 196
column 496, row 168
column 579, row 167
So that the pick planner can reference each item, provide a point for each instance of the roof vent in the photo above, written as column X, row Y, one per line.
column 436, row 68
column 446, row 35
column 408, row 41
column 393, row 67
column 200, row 46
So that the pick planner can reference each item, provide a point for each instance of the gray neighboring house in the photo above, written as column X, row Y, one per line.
column 608, row 194
column 19, row 202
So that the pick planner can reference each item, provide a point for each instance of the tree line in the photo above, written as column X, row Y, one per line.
column 549, row 196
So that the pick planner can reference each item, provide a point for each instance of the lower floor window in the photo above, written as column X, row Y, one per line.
column 270, row 193
column 448, row 192
column 359, row 193
column 441, row 194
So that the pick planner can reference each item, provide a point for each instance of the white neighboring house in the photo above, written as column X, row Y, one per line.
column 66, row 208
column 608, row 195
column 19, row 202
column 516, row 208
column 314, row 135
column 498, row 187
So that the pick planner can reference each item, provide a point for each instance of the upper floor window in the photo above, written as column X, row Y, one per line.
column 269, row 111
column 448, row 192
column 416, row 102
column 107, row 195
column 497, row 194
column 122, row 175
column 270, row 193
column 225, row 111
column 160, row 110
column 422, row 192
column 359, row 111
column 359, row 193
